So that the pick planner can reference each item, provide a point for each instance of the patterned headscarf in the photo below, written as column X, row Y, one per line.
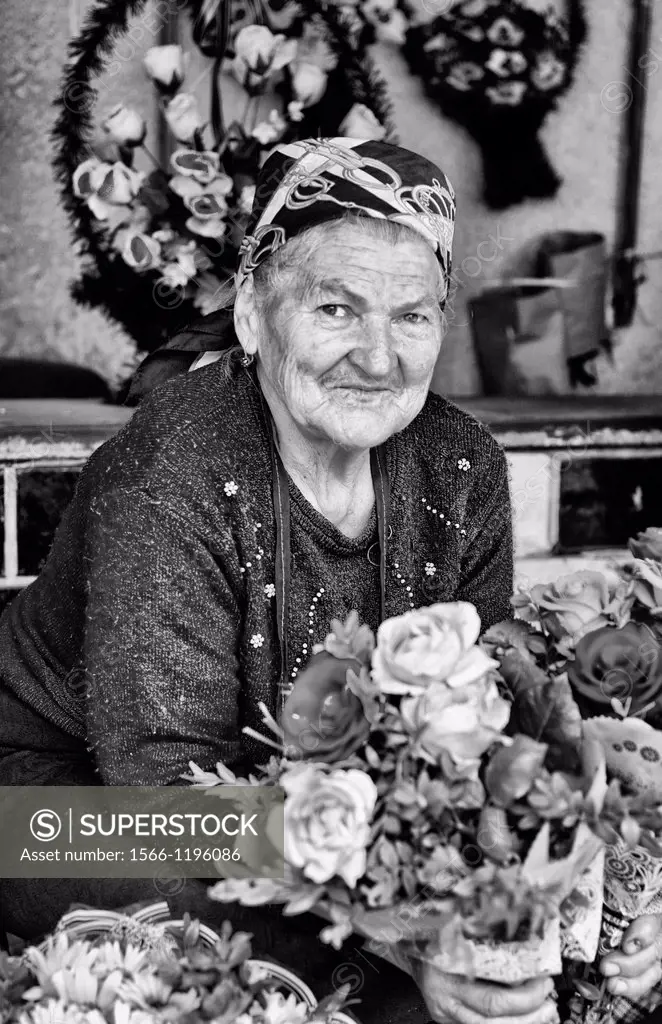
column 317, row 180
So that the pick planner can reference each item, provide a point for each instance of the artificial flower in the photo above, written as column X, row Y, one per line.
column 207, row 206
column 647, row 583
column 295, row 111
column 183, row 116
column 281, row 1009
column 430, row 645
column 463, row 721
column 270, row 131
column 308, row 83
column 507, row 93
column 88, row 177
column 186, row 186
column 165, row 65
column 617, row 669
column 327, row 821
column 141, row 252
column 212, row 227
column 119, row 187
column 549, row 72
column 463, row 74
column 576, row 604
column 260, row 56
column 361, row 123
column 504, row 32
column 203, row 167
column 647, row 544
column 125, row 126
column 505, row 63
column 322, row 719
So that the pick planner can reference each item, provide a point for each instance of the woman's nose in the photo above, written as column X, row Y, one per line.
column 374, row 352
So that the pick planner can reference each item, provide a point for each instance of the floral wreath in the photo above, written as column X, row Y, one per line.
column 497, row 67
column 157, row 245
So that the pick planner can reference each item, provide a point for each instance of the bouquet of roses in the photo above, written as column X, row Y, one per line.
column 598, row 636
column 414, row 812
column 133, row 973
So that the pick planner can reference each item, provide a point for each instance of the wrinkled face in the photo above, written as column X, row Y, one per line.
column 349, row 347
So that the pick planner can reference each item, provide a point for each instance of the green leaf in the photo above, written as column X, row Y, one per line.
column 590, row 992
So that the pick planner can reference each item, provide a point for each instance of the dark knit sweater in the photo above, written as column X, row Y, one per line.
column 150, row 633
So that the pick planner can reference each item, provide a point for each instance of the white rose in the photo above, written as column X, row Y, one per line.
column 125, row 126
column 309, row 84
column 327, row 822
column 361, row 123
column 429, row 645
column 165, row 65
column 183, row 116
column 463, row 721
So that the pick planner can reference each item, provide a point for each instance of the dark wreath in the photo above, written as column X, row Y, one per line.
column 138, row 300
column 498, row 68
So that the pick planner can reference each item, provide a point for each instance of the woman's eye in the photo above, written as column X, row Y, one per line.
column 414, row 318
column 335, row 310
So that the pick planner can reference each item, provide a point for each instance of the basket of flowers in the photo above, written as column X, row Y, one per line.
column 105, row 967
column 158, row 231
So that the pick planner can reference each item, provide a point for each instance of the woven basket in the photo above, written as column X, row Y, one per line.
column 152, row 926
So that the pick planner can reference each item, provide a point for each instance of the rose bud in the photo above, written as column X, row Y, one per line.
column 183, row 117
column 125, row 126
column 259, row 56
column 165, row 66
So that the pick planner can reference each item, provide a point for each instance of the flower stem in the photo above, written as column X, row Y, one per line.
column 151, row 156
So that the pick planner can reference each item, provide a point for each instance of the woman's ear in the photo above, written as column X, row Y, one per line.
column 246, row 319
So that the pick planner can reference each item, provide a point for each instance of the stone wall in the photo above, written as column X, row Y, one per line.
column 37, row 258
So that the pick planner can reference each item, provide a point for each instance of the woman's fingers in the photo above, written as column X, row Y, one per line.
column 546, row 1014
column 642, row 932
column 636, row 987
column 503, row 1001
column 621, row 965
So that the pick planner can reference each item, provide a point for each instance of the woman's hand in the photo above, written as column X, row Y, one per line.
column 452, row 999
column 635, row 968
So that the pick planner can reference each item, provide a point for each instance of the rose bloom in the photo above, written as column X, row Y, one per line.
column 327, row 822
column 617, row 664
column 322, row 719
column 647, row 544
column 574, row 605
column 463, row 721
column 430, row 645
column 309, row 83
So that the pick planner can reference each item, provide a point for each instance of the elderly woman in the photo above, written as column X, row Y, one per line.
column 307, row 472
